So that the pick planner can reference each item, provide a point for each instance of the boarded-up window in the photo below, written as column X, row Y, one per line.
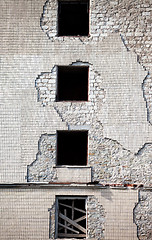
column 71, row 217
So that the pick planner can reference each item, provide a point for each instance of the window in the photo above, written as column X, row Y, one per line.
column 72, row 147
column 73, row 18
column 71, row 217
column 72, row 83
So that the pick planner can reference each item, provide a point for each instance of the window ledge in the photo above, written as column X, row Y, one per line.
column 76, row 174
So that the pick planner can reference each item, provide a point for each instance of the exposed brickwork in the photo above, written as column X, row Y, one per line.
column 46, row 86
column 27, row 52
column 110, row 161
column 114, row 16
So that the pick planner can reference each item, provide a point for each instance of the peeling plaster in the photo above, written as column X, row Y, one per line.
column 107, row 18
column 143, row 215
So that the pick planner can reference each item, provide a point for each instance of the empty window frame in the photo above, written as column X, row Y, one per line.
column 72, row 83
column 73, row 18
column 72, row 148
column 71, row 217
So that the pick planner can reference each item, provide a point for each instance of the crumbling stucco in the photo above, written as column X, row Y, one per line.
column 52, row 221
column 123, row 114
column 143, row 215
column 96, row 218
column 107, row 17
column 110, row 161
column 75, row 113
column 42, row 168
column 78, row 114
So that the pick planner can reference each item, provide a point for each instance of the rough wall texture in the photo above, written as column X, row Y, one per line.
column 112, row 163
column 109, row 160
column 27, row 52
column 96, row 218
column 52, row 222
column 143, row 215
column 42, row 168
column 130, row 18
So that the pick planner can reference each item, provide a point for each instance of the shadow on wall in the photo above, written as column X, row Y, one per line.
column 107, row 194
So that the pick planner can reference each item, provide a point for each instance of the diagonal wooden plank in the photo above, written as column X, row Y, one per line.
column 80, row 219
column 69, row 235
column 77, row 209
column 72, row 222
column 71, row 229
column 72, row 210
column 77, row 220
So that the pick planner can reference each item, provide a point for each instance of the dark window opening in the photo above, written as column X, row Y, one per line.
column 71, row 217
column 73, row 18
column 72, row 148
column 72, row 83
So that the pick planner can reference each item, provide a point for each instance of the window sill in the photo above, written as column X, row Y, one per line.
column 75, row 174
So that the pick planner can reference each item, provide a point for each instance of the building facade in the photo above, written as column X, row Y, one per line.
column 76, row 115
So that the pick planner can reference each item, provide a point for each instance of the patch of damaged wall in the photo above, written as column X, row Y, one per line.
column 110, row 161
column 114, row 16
column 143, row 215
column 95, row 219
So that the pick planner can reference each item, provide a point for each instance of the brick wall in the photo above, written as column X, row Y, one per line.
column 117, row 116
column 26, row 212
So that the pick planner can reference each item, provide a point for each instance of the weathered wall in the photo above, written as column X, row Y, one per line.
column 28, row 213
column 143, row 215
column 33, row 54
column 27, row 52
column 132, row 19
column 119, row 124
column 113, row 104
column 109, row 161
